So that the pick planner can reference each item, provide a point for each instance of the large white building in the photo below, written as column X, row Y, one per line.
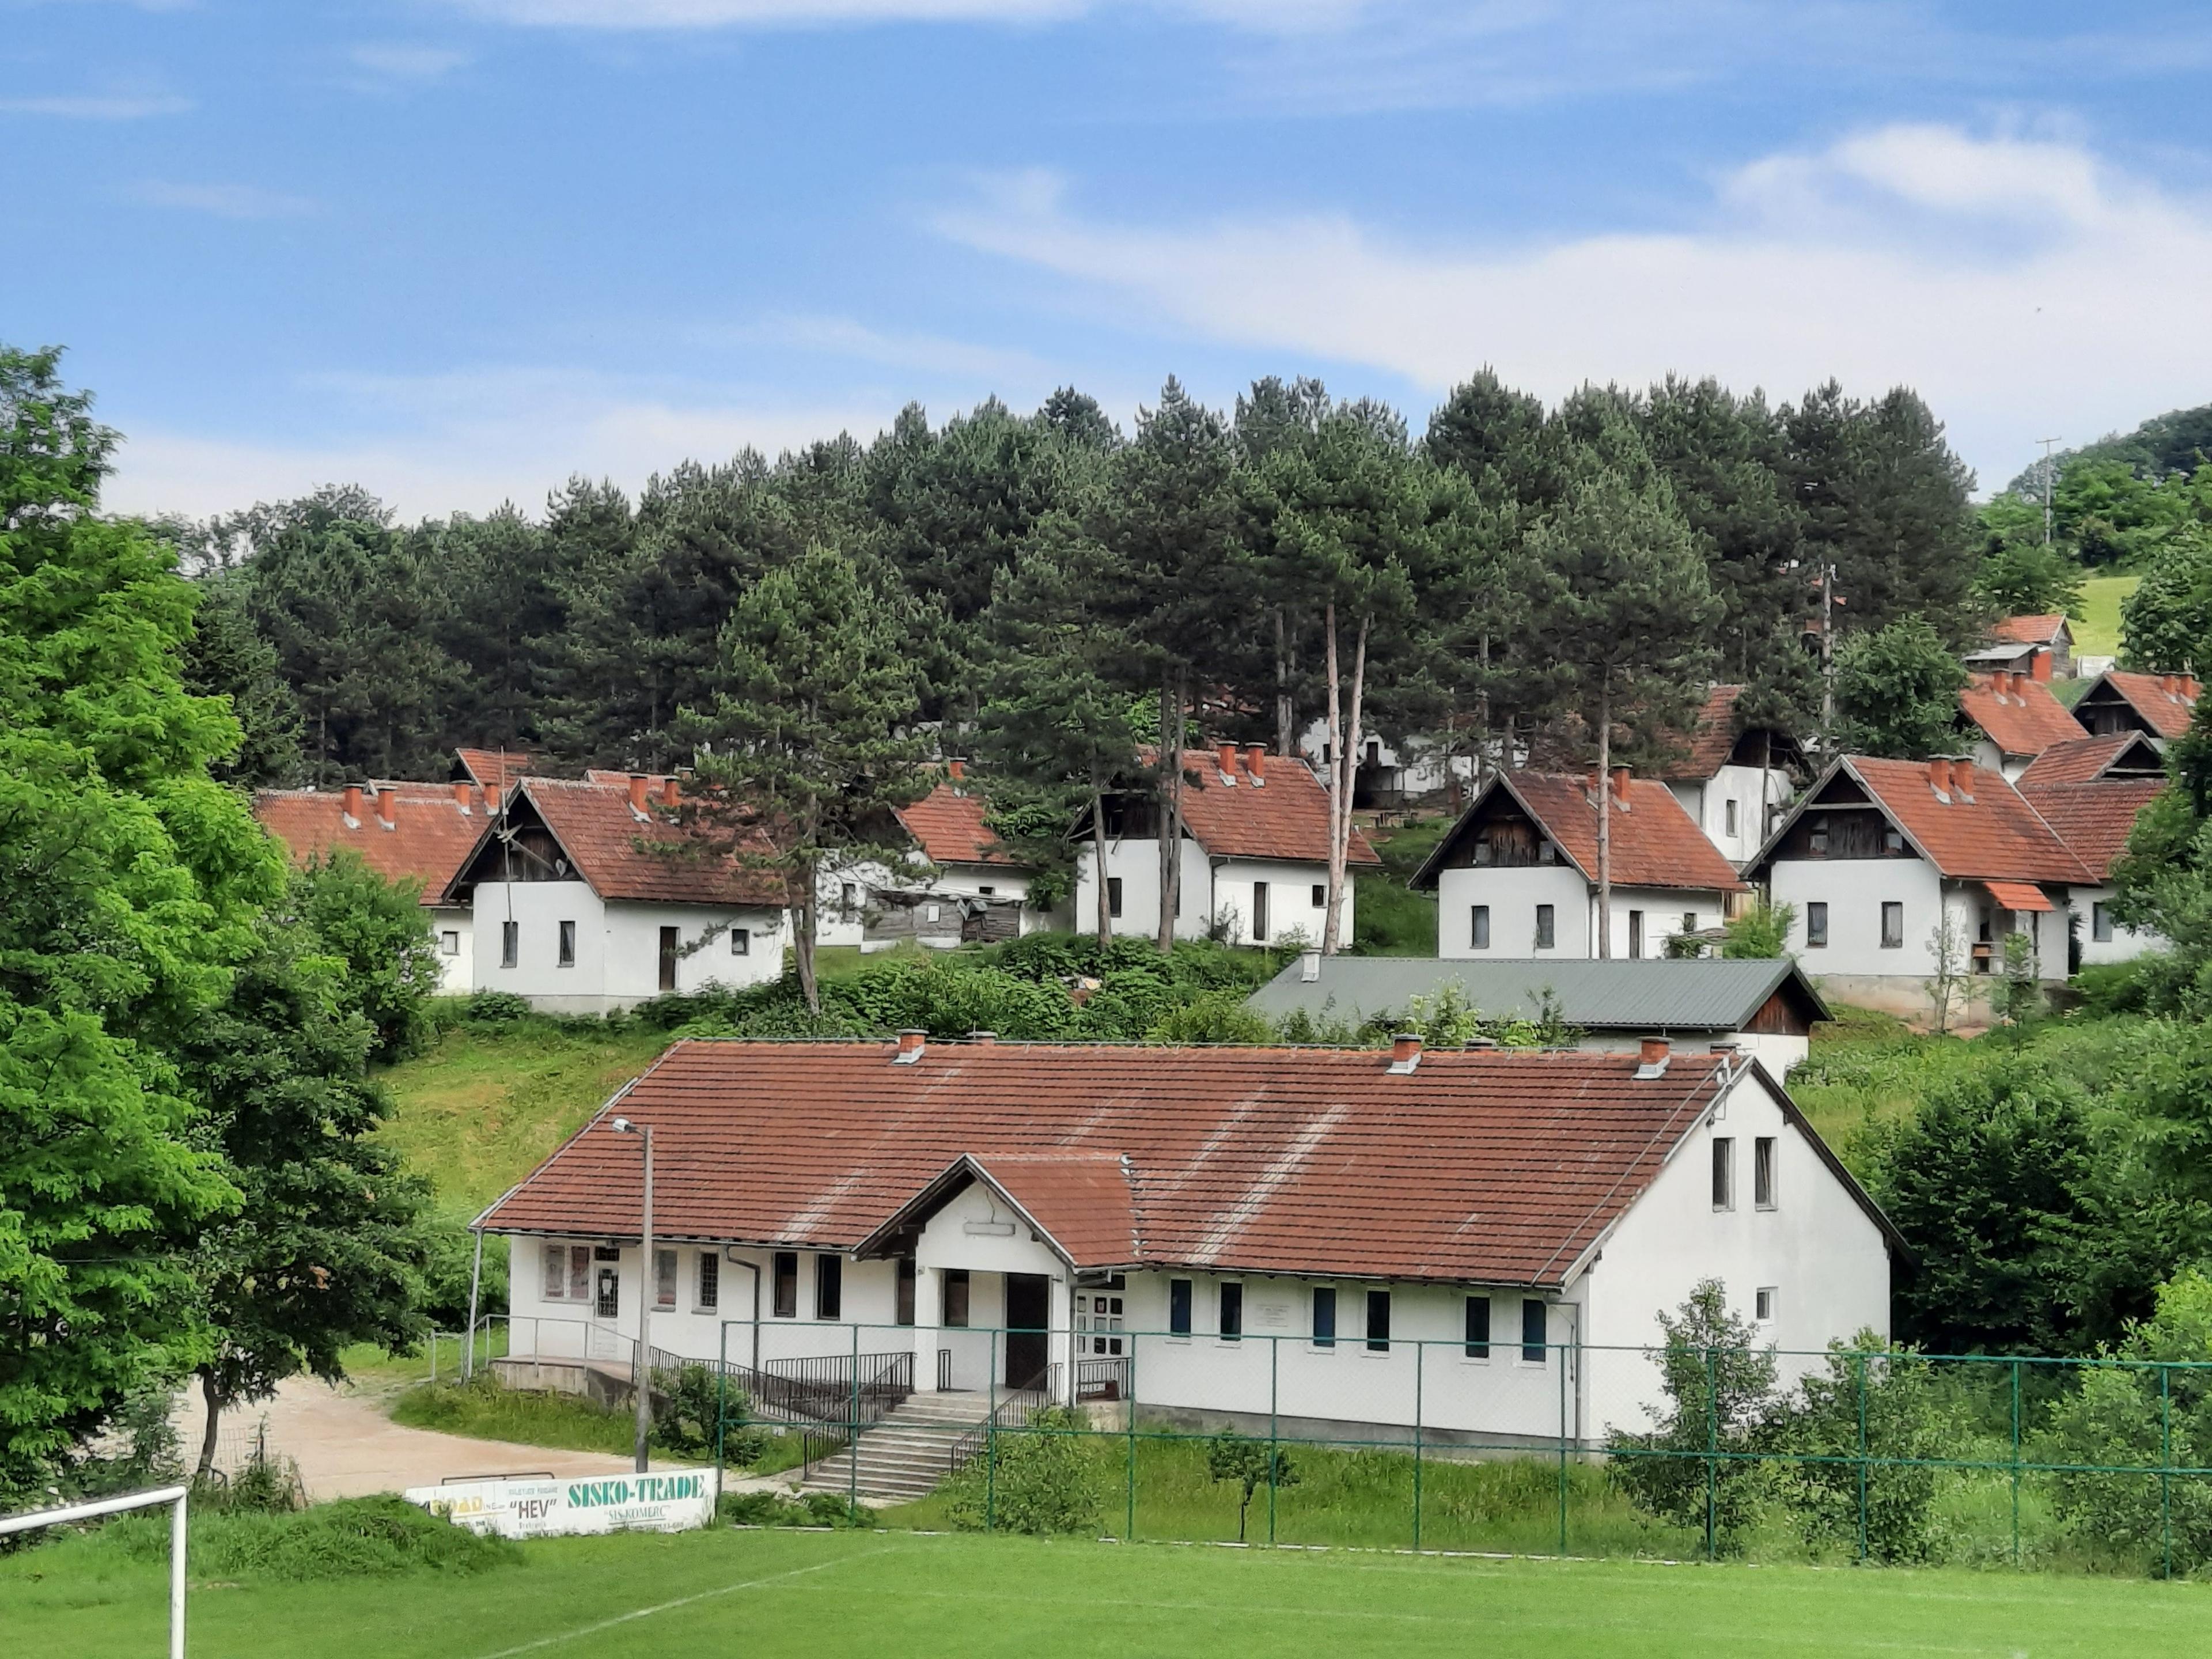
column 1517, row 875
column 1253, row 853
column 589, row 897
column 1367, row 1243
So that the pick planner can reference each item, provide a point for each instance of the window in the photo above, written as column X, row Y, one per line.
column 1636, row 935
column 902, row 1300
column 1178, row 1307
column 449, row 943
column 828, row 1288
column 664, row 1278
column 1113, row 895
column 1533, row 1331
column 848, row 898
column 671, row 940
column 510, row 935
column 1816, row 924
column 1544, row 930
column 568, row 1272
column 1689, row 921
column 1817, row 843
column 1259, row 913
column 1893, row 841
column 1480, row 933
column 784, row 1301
column 1892, row 924
column 579, row 1272
column 2100, row 922
column 1762, row 1304
column 1320, row 896
column 1724, row 1173
column 985, row 890
column 1378, row 1322
column 567, row 944
column 1324, row 1317
column 955, row 1298
column 710, row 1282
column 1762, row 1172
column 1232, row 1312
column 1729, row 816
column 741, row 941
column 608, row 1304
column 1477, row 1327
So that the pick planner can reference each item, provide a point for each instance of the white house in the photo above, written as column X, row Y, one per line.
column 2090, row 792
column 589, row 897
column 405, row 832
column 1389, row 771
column 2010, row 719
column 2041, row 647
column 1473, row 1246
column 2160, row 706
column 1517, row 876
column 1886, row 861
column 1253, row 852
column 1734, row 781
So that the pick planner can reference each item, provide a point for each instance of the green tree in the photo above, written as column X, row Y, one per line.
column 1759, row 931
column 2165, row 622
column 1864, row 1437
column 1897, row 691
column 1042, row 1479
column 2021, row 575
column 1250, row 1464
column 227, row 657
column 380, row 930
column 807, row 747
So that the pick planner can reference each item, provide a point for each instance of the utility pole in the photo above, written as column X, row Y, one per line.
column 1828, row 648
column 646, row 1285
column 2047, row 443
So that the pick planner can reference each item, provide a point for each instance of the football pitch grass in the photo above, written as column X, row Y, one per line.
column 857, row 1595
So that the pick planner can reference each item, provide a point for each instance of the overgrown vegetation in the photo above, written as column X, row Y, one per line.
column 379, row 1537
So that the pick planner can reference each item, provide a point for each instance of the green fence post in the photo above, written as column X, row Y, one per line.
column 1561, row 1354
column 1275, row 1425
column 1420, row 1372
column 853, row 1437
column 1862, row 1460
column 1713, row 1458
column 2015, row 1462
column 2165, row 1465
column 1129, row 1420
column 721, row 1409
column 991, row 1441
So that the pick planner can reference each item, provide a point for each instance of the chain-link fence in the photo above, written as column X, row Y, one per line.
column 1479, row 1445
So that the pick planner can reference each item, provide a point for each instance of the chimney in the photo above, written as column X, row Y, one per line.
column 984, row 1039
column 2170, row 684
column 384, row 808
column 1226, row 754
column 1309, row 967
column 638, row 786
column 1620, row 785
column 350, row 804
column 1962, row 779
column 2019, row 683
column 671, row 794
column 2189, row 686
column 1651, row 1055
column 911, row 1043
column 1939, row 773
column 1256, row 759
column 956, row 769
column 1481, row 1045
column 1405, row 1052
column 462, row 798
column 1724, row 1046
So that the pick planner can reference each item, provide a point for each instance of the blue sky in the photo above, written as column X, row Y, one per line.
column 455, row 250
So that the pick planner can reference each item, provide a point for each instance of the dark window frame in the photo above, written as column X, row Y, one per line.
column 1114, row 895
column 955, row 1298
column 564, row 953
column 510, row 944
column 828, row 1286
column 1816, row 924
column 1535, row 1318
column 1763, row 1155
column 1478, row 928
column 1378, row 1322
column 1324, row 1316
column 1723, row 1174
column 1548, row 928
column 1893, row 939
column 1179, row 1293
column 1229, row 1308
column 1477, row 1329
column 783, row 1285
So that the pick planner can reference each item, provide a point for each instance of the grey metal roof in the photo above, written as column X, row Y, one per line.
column 1697, row 994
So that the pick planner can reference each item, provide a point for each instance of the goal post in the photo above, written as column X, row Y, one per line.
column 173, row 1497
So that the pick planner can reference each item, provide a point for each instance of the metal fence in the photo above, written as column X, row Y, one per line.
column 1431, row 1444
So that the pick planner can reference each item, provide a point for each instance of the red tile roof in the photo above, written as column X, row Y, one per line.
column 1500, row 1167
column 1996, row 834
column 1286, row 817
column 1709, row 741
column 2085, row 760
column 2019, row 713
column 615, row 850
column 2028, row 630
column 2093, row 819
column 947, row 824
column 2166, row 712
column 495, row 769
column 430, row 837
column 1655, row 842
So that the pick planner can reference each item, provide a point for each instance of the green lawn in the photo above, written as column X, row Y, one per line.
column 827, row 1595
column 1389, row 918
column 2098, row 632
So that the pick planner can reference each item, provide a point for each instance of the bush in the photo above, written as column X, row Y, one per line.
column 380, row 1537
column 683, row 1419
column 1893, row 1396
column 444, row 1298
column 496, row 1008
column 1761, row 931
column 814, row 1508
column 1044, row 1479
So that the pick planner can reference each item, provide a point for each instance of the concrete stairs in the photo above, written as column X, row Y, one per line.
column 906, row 1455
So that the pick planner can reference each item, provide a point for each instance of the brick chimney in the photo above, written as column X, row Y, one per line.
column 638, row 786
column 2189, row 686
column 2170, row 684
column 462, row 796
column 671, row 794
column 1962, row 779
column 1939, row 773
column 1256, row 759
column 349, row 803
column 984, row 1039
column 956, row 769
column 1405, row 1052
column 1652, row 1057
column 1226, row 755
column 911, row 1041
column 1620, row 785
column 384, row 808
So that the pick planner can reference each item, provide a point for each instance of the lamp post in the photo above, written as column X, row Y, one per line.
column 643, row 1381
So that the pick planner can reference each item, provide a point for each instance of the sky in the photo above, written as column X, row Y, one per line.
column 456, row 250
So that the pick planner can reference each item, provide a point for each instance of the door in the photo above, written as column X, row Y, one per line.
column 1029, row 1312
column 607, row 1304
column 668, row 942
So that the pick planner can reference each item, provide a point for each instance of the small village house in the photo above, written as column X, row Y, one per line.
column 417, row 833
column 2010, row 719
column 1335, row 1242
column 589, row 897
column 1881, row 856
column 2041, row 648
column 2157, row 705
column 2090, row 792
column 1517, row 875
column 1253, row 852
column 1733, row 780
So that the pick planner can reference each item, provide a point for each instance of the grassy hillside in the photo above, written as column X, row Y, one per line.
column 1389, row 918
column 2098, row 633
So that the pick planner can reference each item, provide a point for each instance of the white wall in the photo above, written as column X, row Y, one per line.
column 2125, row 943
column 1291, row 907
column 457, row 968
column 1513, row 894
column 1138, row 864
column 1855, row 890
column 617, row 959
column 1753, row 789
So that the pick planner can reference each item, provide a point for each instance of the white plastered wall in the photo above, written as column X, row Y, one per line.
column 2125, row 943
column 1136, row 864
column 1754, row 790
column 1513, row 895
column 1290, row 899
column 618, row 956
column 454, row 925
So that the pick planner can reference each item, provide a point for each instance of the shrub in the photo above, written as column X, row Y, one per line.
column 1892, row 1397
column 815, row 1508
column 684, row 1422
column 1043, row 1479
column 379, row 1537
column 1250, row 1464
column 1214, row 1018
column 1761, row 931
column 496, row 1008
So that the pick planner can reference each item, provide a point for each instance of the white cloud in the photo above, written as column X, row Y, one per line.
column 99, row 106
column 2023, row 285
column 662, row 14
column 399, row 60
column 929, row 354
column 223, row 201
column 468, row 440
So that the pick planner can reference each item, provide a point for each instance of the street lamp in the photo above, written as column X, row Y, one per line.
column 643, row 1380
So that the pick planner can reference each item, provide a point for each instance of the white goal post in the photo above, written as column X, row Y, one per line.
column 174, row 1497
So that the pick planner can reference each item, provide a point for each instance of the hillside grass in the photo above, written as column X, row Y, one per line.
column 1389, row 918
column 828, row 1594
column 2096, row 631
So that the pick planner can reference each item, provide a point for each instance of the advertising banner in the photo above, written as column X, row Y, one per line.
column 532, row 1506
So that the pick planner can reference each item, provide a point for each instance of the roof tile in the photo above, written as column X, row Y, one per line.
column 2019, row 714
column 947, row 824
column 653, row 859
column 1997, row 834
column 431, row 833
column 1286, row 817
column 2094, row 818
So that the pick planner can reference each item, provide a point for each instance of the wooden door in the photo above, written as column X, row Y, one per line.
column 1028, row 1314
